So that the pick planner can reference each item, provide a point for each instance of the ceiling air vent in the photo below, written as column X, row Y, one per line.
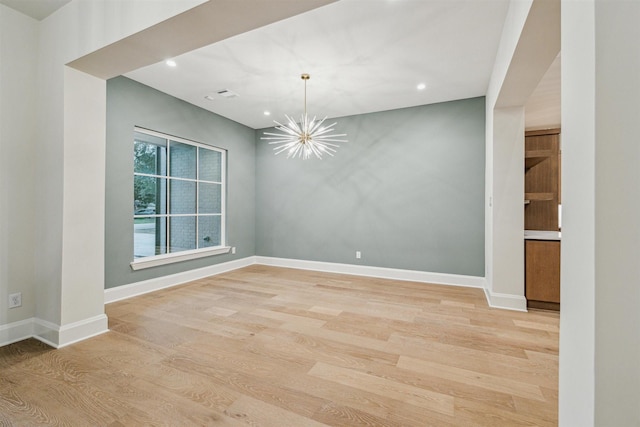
column 226, row 93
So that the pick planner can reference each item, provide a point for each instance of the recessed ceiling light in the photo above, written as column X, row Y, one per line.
column 422, row 86
column 171, row 63
column 267, row 113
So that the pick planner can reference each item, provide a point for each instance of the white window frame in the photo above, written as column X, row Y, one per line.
column 172, row 257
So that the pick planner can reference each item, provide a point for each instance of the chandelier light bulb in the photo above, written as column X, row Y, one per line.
column 307, row 138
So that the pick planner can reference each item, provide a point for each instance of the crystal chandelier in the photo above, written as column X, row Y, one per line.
column 304, row 139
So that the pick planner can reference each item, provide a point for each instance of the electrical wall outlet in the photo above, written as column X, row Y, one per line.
column 233, row 250
column 15, row 300
column 358, row 255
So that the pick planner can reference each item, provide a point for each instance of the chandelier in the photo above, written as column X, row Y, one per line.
column 304, row 139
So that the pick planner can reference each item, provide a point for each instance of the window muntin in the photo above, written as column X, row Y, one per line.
column 179, row 195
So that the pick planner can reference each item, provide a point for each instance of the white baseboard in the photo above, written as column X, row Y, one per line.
column 78, row 331
column 380, row 272
column 506, row 301
column 47, row 332
column 59, row 336
column 146, row 286
column 151, row 285
column 497, row 300
column 51, row 334
column 16, row 331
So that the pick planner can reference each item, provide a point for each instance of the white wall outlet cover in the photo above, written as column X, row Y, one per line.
column 15, row 300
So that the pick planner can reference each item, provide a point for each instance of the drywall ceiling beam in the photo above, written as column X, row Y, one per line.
column 200, row 26
column 538, row 46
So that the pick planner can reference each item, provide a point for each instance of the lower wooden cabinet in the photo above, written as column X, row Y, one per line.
column 542, row 274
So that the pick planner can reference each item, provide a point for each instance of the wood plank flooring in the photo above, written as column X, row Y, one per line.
column 266, row 346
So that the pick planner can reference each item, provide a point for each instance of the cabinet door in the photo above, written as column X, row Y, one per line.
column 542, row 267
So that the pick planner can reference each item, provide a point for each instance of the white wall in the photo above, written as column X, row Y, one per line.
column 617, row 296
column 499, row 242
column 600, row 317
column 44, row 181
column 67, row 155
column 505, row 286
column 71, row 126
column 83, row 211
column 18, row 208
column 577, row 290
column 529, row 44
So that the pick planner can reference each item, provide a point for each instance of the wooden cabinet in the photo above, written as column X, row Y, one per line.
column 542, row 274
column 542, row 196
column 542, row 179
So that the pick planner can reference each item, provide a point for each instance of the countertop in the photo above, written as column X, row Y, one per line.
column 541, row 235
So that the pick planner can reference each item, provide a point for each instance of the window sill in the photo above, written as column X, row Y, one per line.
column 158, row 260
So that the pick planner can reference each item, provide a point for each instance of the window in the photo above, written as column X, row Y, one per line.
column 179, row 199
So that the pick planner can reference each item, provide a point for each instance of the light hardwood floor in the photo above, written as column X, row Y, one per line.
column 267, row 346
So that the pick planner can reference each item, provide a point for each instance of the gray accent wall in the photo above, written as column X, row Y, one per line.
column 132, row 104
column 407, row 191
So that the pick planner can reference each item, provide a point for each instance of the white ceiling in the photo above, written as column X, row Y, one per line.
column 37, row 9
column 363, row 56
column 542, row 110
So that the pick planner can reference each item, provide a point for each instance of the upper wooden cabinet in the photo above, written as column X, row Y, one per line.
column 542, row 179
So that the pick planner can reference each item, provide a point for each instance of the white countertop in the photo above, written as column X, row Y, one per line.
column 541, row 235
